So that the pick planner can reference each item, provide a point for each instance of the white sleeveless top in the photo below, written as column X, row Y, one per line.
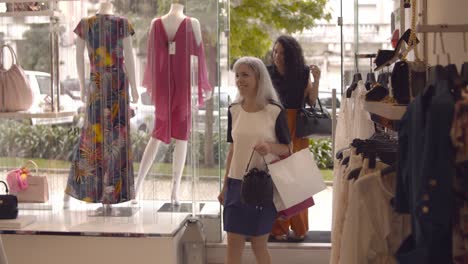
column 246, row 129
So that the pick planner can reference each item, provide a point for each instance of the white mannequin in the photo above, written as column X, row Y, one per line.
column 171, row 22
column 105, row 8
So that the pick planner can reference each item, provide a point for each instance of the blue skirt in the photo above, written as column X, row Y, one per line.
column 240, row 218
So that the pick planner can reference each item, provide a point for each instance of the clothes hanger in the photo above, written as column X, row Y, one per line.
column 464, row 73
column 356, row 78
column 370, row 78
column 456, row 83
column 354, row 174
column 437, row 73
column 346, row 160
column 388, row 170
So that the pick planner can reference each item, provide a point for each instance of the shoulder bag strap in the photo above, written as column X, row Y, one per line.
column 318, row 100
column 248, row 164
column 13, row 54
column 13, row 57
column 6, row 186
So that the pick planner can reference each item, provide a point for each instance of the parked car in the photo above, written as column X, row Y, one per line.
column 40, row 83
column 326, row 100
column 144, row 111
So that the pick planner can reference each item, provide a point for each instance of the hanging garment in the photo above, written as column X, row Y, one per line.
column 362, row 126
column 459, row 130
column 342, row 135
column 373, row 231
column 353, row 121
column 167, row 77
column 102, row 169
column 425, row 176
column 342, row 205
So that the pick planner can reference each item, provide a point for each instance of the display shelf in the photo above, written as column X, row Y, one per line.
column 27, row 114
column 387, row 115
column 24, row 1
column 386, row 110
column 46, row 13
column 385, row 122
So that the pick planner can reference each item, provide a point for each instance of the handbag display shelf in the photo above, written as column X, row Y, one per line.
column 48, row 13
column 15, row 8
column 40, row 12
column 385, row 114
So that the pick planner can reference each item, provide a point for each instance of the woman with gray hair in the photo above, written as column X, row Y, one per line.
column 256, row 121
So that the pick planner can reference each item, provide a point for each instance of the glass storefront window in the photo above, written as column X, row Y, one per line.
column 51, row 136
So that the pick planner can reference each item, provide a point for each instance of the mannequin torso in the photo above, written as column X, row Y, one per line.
column 105, row 8
column 119, row 47
column 172, row 20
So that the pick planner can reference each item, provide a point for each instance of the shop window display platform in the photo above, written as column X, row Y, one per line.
column 151, row 235
column 74, row 235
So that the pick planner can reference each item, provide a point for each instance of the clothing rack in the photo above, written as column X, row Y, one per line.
column 369, row 56
column 442, row 28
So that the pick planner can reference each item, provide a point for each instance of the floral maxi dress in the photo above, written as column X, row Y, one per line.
column 102, row 169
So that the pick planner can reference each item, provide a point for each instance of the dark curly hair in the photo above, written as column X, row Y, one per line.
column 293, row 56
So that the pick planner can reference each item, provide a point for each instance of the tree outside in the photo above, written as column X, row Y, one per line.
column 34, row 50
column 254, row 24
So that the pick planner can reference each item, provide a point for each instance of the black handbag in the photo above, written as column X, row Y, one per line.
column 313, row 121
column 8, row 205
column 257, row 186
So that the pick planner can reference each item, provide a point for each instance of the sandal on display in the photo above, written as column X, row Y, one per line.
column 384, row 56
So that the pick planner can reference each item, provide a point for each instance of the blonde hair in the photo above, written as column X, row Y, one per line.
column 265, row 91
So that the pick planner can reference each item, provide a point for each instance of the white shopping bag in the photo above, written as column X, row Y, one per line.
column 296, row 178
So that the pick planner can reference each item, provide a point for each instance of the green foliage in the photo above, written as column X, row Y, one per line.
column 139, row 141
column 38, row 141
column 322, row 149
column 254, row 22
column 34, row 51
column 23, row 140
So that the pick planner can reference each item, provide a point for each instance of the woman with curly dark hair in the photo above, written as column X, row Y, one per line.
column 290, row 77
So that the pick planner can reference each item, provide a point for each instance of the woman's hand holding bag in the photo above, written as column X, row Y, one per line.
column 257, row 186
column 312, row 121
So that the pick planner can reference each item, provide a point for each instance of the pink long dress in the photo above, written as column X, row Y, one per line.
column 167, row 78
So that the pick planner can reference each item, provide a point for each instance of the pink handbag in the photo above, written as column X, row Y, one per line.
column 17, row 179
column 36, row 188
column 15, row 91
column 37, row 191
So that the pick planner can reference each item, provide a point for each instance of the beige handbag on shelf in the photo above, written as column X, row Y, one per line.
column 15, row 91
column 37, row 190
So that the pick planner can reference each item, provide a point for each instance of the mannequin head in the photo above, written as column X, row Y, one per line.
column 105, row 8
